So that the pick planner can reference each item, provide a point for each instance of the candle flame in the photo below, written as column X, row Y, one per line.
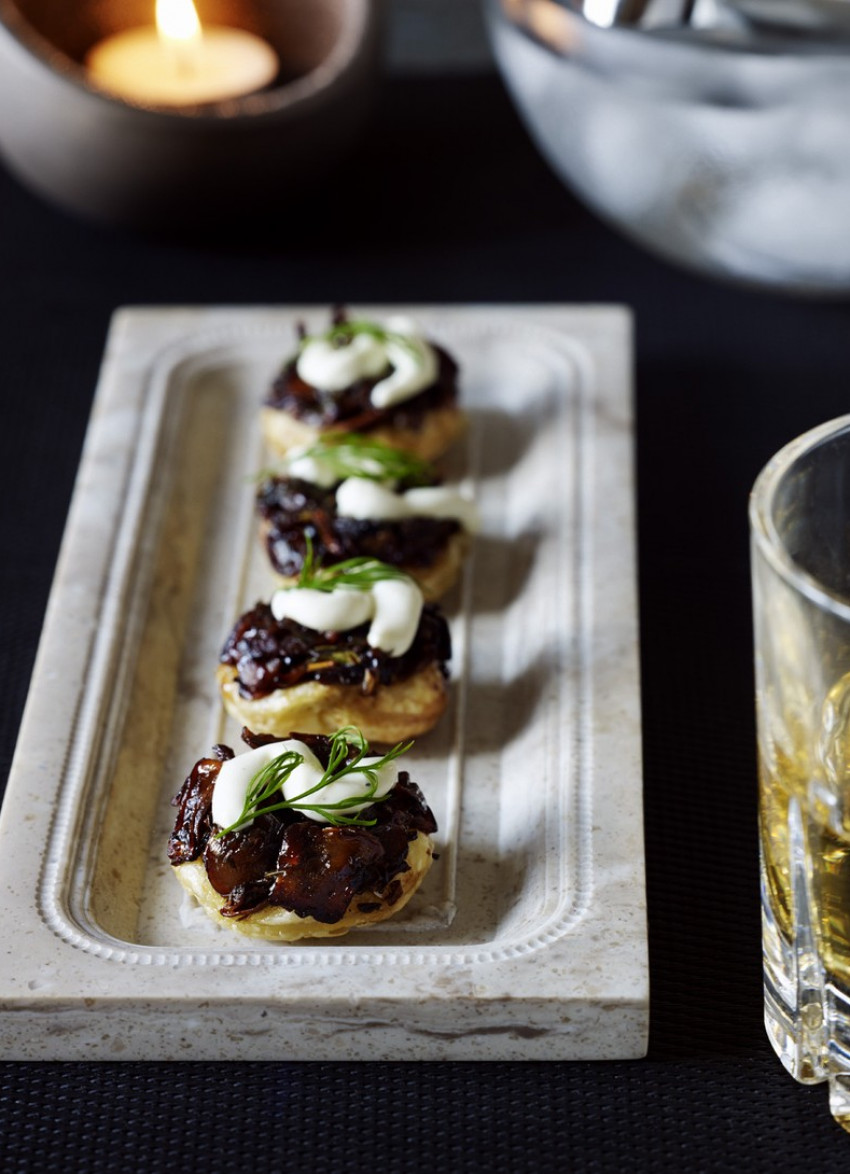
column 177, row 20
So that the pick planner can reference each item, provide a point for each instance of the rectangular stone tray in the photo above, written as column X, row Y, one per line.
column 528, row 939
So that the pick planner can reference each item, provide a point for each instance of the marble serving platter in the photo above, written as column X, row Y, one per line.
column 528, row 939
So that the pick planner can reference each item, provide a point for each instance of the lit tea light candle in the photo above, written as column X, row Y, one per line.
column 177, row 63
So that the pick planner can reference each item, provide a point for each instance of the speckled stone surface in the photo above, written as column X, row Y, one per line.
column 528, row 939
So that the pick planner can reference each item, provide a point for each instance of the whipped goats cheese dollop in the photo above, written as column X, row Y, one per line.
column 350, row 786
column 234, row 780
column 358, row 497
column 331, row 367
column 393, row 605
column 324, row 611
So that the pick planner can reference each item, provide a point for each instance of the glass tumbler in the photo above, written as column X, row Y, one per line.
column 800, row 531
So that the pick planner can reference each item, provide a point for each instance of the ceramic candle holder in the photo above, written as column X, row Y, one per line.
column 104, row 157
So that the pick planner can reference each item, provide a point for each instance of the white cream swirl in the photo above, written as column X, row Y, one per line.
column 331, row 367
column 393, row 605
column 350, row 786
column 234, row 778
column 236, row 774
column 360, row 498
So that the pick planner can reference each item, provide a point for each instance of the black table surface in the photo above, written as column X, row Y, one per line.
column 447, row 201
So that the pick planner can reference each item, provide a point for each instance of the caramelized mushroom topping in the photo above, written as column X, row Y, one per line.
column 321, row 868
column 271, row 654
column 238, row 858
column 296, row 510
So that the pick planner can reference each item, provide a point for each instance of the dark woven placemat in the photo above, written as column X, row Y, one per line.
column 724, row 378
column 404, row 1117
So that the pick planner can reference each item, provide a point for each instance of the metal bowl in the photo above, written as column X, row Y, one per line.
column 98, row 155
column 726, row 148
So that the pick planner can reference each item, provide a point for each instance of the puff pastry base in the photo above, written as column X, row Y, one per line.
column 393, row 713
column 439, row 430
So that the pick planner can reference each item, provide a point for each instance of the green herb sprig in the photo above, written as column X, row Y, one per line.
column 268, row 783
column 358, row 573
column 351, row 454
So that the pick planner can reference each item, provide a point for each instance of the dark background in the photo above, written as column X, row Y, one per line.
column 724, row 377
